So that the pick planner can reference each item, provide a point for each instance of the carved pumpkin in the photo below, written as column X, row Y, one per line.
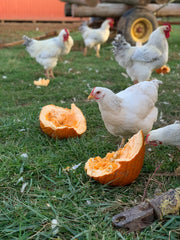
column 121, row 167
column 164, row 69
column 60, row 122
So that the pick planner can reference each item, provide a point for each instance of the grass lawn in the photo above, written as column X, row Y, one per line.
column 82, row 207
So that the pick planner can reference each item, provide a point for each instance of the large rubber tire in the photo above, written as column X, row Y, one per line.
column 137, row 24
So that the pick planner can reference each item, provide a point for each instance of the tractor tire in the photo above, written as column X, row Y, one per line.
column 137, row 24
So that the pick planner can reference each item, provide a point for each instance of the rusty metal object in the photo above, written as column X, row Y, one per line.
column 142, row 215
column 167, row 203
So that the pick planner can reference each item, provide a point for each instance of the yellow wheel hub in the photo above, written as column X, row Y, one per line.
column 141, row 29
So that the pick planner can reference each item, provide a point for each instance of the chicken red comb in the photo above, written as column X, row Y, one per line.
column 92, row 92
column 146, row 140
column 111, row 23
column 167, row 24
column 66, row 31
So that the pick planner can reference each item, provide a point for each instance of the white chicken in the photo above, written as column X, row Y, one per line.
column 130, row 110
column 168, row 135
column 93, row 38
column 139, row 62
column 46, row 52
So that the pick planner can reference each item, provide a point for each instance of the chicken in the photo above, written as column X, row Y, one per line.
column 130, row 110
column 168, row 135
column 96, row 37
column 46, row 52
column 140, row 62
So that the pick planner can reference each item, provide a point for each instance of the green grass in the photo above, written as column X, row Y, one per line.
column 83, row 207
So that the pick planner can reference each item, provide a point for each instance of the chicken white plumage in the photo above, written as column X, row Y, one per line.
column 168, row 135
column 46, row 52
column 140, row 62
column 130, row 110
column 93, row 38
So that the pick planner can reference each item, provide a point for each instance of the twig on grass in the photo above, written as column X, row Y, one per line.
column 39, row 231
column 150, row 178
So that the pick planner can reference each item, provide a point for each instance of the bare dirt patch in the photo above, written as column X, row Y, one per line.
column 13, row 31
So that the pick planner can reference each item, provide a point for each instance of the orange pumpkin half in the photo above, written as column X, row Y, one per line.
column 164, row 69
column 60, row 122
column 121, row 167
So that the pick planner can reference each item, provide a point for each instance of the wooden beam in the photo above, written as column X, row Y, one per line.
column 90, row 3
column 129, row 2
column 117, row 9
column 101, row 10
column 170, row 10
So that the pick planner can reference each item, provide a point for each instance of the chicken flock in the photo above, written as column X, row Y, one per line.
column 130, row 110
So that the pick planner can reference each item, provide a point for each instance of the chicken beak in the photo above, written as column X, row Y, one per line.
column 90, row 97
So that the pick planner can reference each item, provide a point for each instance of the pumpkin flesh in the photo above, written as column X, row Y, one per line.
column 60, row 122
column 121, row 167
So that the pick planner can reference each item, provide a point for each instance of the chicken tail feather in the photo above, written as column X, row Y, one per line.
column 27, row 40
column 156, row 82
column 83, row 27
column 119, row 44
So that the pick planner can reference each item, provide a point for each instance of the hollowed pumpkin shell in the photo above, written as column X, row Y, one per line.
column 164, row 69
column 60, row 122
column 121, row 167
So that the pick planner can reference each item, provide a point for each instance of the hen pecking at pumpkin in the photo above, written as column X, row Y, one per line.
column 93, row 38
column 46, row 52
column 140, row 62
column 168, row 135
column 130, row 110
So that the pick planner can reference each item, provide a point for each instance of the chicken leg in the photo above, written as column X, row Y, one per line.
column 97, row 48
column 85, row 51
column 122, row 143
column 49, row 73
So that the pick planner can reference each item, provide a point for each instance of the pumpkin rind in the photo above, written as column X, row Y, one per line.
column 164, row 69
column 61, row 123
column 122, row 169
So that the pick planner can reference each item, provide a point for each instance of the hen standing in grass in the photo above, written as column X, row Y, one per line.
column 130, row 110
column 46, row 52
column 96, row 37
column 168, row 135
column 139, row 62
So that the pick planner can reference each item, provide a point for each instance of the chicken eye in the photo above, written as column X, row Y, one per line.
column 98, row 92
